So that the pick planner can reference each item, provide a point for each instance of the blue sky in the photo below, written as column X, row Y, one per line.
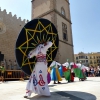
column 85, row 17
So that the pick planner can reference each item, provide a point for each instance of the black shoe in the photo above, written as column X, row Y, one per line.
column 69, row 81
column 72, row 81
column 82, row 80
column 55, row 83
column 25, row 96
column 59, row 82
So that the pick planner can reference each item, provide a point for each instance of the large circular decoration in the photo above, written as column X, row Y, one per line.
column 32, row 34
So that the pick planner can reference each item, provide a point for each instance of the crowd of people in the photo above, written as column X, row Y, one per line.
column 41, row 75
column 93, row 71
column 10, row 65
column 56, row 72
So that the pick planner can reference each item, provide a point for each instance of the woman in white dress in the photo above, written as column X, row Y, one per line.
column 38, row 80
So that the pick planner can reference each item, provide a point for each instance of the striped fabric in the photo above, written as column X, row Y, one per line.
column 41, row 58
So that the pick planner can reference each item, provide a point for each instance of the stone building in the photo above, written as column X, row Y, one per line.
column 58, row 12
column 81, row 57
column 88, row 59
column 10, row 27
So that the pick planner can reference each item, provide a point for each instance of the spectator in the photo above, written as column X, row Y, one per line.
column 2, row 69
column 98, row 70
column 89, row 73
column 10, row 65
column 15, row 65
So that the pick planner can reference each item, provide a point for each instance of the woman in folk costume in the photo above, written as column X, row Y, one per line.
column 55, row 75
column 38, row 80
column 67, row 71
column 83, row 68
column 78, row 70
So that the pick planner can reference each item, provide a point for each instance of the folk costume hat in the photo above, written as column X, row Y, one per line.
column 35, row 32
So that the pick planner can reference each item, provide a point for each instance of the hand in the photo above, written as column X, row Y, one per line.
column 45, row 43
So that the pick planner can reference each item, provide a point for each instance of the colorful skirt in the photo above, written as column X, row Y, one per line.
column 61, row 71
column 67, row 74
column 78, row 73
column 55, row 75
column 48, row 78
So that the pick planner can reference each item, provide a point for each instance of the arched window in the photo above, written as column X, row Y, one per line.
column 64, row 31
column 62, row 11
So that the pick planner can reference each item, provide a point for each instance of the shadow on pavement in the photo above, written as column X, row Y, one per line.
column 93, row 80
column 76, row 95
column 57, row 84
column 52, row 85
column 66, row 95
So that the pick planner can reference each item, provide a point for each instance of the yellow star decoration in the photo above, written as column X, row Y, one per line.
column 30, row 34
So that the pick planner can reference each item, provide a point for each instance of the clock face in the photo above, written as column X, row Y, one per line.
column 2, row 28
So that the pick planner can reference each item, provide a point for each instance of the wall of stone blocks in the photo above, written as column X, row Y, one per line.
column 8, row 38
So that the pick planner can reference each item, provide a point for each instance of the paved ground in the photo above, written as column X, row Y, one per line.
column 87, row 90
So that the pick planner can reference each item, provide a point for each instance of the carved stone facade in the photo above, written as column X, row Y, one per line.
column 51, row 10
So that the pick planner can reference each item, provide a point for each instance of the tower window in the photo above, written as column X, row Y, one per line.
column 64, row 36
column 64, row 31
column 62, row 11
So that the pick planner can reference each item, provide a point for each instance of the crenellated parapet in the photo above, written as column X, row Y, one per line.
column 4, row 12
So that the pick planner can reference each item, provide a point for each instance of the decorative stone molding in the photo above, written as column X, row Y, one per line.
column 57, row 12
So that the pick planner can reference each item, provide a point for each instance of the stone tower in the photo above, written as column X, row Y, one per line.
column 58, row 12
